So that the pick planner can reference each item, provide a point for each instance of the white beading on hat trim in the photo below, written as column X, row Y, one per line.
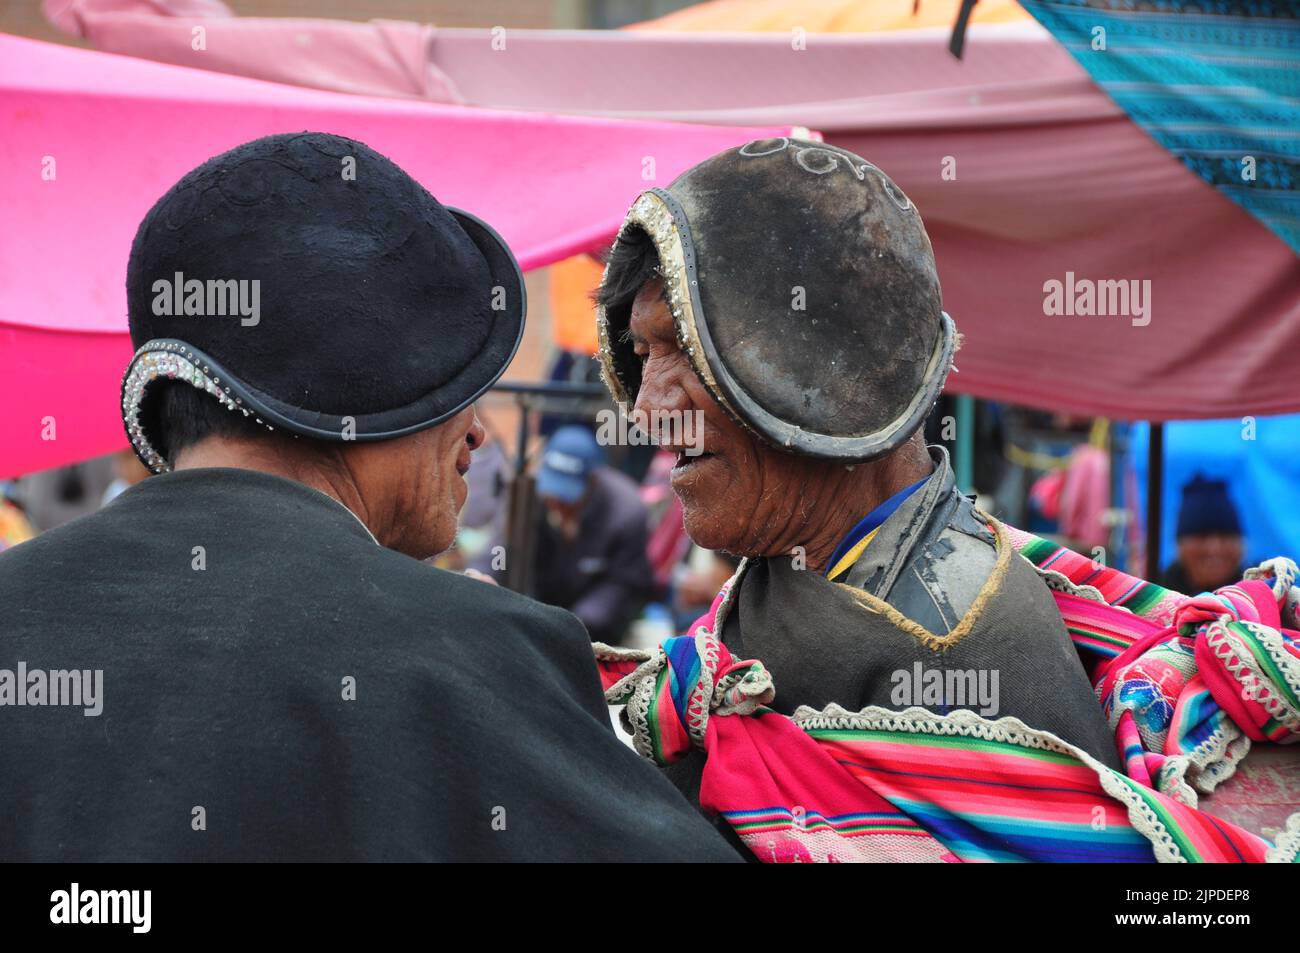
column 173, row 361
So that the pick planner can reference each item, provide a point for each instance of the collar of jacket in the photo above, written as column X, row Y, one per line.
column 918, row 520
column 239, row 480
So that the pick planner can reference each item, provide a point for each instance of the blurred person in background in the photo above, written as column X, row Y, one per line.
column 590, row 556
column 15, row 528
column 698, row 580
column 1210, row 543
column 62, row 494
column 127, row 472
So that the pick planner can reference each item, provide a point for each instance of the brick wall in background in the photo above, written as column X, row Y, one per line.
column 536, row 14
column 24, row 17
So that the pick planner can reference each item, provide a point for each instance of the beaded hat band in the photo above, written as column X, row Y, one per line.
column 172, row 360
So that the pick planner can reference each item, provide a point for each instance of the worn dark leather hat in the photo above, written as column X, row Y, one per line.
column 308, row 283
column 805, row 294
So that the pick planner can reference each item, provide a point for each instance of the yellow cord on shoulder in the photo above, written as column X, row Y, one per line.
column 849, row 558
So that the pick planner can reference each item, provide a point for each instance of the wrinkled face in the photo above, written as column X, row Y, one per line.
column 739, row 495
column 562, row 511
column 563, row 516
column 418, row 483
column 1211, row 559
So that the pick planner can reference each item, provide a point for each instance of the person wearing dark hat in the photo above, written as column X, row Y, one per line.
column 1210, row 545
column 256, row 664
column 787, row 291
column 590, row 556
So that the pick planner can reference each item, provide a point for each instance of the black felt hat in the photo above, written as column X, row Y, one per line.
column 804, row 291
column 307, row 282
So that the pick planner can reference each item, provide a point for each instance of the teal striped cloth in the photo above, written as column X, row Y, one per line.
column 1216, row 82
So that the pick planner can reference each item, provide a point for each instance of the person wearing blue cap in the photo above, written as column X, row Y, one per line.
column 1210, row 544
column 590, row 556
column 571, row 456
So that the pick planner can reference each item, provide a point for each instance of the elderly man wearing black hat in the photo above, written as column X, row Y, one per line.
column 787, row 291
column 276, row 674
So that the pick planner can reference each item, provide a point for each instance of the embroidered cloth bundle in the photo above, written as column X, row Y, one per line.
column 1187, row 684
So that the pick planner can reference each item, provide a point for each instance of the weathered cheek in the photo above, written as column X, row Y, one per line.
column 781, row 482
column 662, row 387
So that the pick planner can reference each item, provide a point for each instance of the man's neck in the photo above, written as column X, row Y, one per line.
column 867, row 486
column 282, row 459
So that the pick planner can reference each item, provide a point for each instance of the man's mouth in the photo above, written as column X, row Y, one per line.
column 685, row 461
column 462, row 464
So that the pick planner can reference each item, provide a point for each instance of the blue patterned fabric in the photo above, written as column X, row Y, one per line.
column 1216, row 82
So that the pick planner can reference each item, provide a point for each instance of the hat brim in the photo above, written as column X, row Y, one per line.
column 175, row 359
column 661, row 217
column 566, row 487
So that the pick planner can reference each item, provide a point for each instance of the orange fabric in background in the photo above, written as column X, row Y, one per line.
column 828, row 16
column 573, row 282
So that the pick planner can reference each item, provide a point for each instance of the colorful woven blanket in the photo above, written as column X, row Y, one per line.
column 1186, row 682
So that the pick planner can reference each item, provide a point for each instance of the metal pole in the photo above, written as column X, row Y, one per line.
column 1117, row 518
column 520, row 512
column 1155, row 497
column 964, row 464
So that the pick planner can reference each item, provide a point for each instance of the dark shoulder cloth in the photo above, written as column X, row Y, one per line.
column 224, row 665
column 824, row 642
column 1009, row 654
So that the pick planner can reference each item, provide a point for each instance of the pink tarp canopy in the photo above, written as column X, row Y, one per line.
column 1046, row 176
column 89, row 140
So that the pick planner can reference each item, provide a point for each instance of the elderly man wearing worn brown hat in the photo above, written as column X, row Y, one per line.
column 786, row 292
column 276, row 674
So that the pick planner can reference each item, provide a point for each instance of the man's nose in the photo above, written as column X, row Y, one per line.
column 661, row 390
column 476, row 434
